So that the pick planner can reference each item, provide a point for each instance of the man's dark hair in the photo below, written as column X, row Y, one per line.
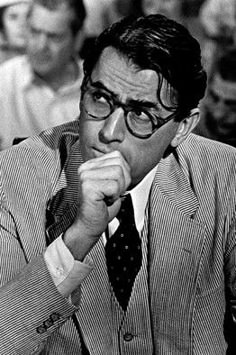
column 77, row 7
column 160, row 44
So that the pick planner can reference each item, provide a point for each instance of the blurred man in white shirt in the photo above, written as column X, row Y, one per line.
column 40, row 90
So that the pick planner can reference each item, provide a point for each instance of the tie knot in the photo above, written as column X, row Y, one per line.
column 126, row 210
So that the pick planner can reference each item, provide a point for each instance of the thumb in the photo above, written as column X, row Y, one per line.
column 114, row 209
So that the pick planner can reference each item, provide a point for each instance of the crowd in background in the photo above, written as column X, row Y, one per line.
column 50, row 95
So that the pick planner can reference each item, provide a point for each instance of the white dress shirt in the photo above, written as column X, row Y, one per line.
column 28, row 105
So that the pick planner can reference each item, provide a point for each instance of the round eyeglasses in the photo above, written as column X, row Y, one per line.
column 99, row 104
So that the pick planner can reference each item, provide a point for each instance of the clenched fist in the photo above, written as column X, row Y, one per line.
column 103, row 181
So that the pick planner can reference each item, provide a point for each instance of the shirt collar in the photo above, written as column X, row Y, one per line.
column 139, row 195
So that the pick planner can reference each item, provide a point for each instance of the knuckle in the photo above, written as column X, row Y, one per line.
column 111, row 186
column 118, row 170
column 83, row 175
column 86, row 185
column 86, row 188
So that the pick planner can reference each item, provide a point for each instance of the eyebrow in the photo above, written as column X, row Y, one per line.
column 133, row 102
column 226, row 100
column 47, row 33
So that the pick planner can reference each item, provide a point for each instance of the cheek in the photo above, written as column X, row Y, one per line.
column 231, row 118
column 32, row 46
column 142, row 159
column 83, row 129
column 11, row 36
column 144, row 155
column 65, row 49
column 85, row 136
column 88, row 131
column 8, row 28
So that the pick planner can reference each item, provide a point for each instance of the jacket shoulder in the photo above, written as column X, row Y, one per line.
column 40, row 159
column 207, row 153
column 209, row 166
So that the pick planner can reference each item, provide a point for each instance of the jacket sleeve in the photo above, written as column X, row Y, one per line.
column 230, row 274
column 31, row 308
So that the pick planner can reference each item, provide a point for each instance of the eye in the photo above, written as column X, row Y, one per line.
column 214, row 97
column 99, row 97
column 231, row 104
column 34, row 31
column 13, row 17
column 140, row 115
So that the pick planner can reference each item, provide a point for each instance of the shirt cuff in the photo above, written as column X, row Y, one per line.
column 66, row 272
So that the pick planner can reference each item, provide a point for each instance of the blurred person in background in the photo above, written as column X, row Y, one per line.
column 218, row 20
column 13, row 14
column 191, row 7
column 40, row 89
column 218, row 109
column 93, row 24
column 117, row 9
column 190, row 12
column 106, row 12
column 102, row 14
column 169, row 8
column 178, row 11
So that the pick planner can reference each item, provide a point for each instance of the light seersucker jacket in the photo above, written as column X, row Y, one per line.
column 184, row 297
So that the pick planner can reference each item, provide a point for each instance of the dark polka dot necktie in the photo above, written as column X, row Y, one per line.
column 123, row 253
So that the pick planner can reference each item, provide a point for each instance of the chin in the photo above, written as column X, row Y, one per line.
column 86, row 153
column 39, row 65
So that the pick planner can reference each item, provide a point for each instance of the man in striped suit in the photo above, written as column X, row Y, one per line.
column 60, row 193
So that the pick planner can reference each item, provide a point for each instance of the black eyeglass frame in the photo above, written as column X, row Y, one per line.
column 115, row 103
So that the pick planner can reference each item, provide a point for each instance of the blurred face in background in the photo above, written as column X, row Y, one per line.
column 51, row 42
column 169, row 8
column 14, row 24
column 220, row 108
column 124, row 7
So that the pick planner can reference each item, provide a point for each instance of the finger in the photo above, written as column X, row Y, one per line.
column 113, row 172
column 113, row 154
column 100, row 191
column 114, row 157
column 111, row 166
column 114, row 209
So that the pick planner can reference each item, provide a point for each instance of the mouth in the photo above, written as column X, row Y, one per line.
column 40, row 57
column 99, row 152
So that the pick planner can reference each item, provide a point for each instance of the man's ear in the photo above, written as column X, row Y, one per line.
column 185, row 127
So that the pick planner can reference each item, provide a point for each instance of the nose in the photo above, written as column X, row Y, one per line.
column 113, row 129
column 42, row 40
column 22, row 22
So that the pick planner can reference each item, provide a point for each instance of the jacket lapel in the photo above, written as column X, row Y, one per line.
column 175, row 247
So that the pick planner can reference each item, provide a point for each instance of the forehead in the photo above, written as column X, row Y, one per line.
column 56, row 21
column 20, row 8
column 122, row 77
column 224, row 89
column 160, row 3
